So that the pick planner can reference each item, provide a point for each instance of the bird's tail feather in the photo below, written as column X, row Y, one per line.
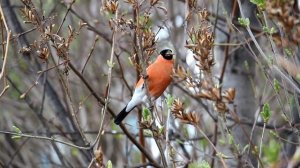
column 121, row 116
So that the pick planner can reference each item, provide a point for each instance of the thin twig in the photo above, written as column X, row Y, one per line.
column 122, row 74
column 30, row 87
column 43, row 71
column 260, row 145
column 6, row 53
column 168, row 143
column 108, row 85
column 62, row 22
column 44, row 92
column 95, row 30
column 90, row 53
column 20, row 34
column 138, row 75
column 163, row 158
column 92, row 163
column 4, row 90
column 45, row 138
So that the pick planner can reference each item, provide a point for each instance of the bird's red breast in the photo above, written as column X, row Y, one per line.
column 159, row 76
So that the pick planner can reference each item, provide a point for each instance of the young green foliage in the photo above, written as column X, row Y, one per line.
column 288, row 52
column 244, row 21
column 261, row 4
column 110, row 63
column 266, row 112
column 271, row 151
column 146, row 114
column 269, row 30
column 202, row 164
column 18, row 131
column 109, row 164
column 169, row 100
column 276, row 86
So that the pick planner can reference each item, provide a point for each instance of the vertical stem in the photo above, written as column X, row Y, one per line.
column 2, row 36
column 137, row 60
column 109, row 76
column 7, row 42
column 163, row 158
column 260, row 145
column 168, row 145
column 215, row 140
column 141, row 137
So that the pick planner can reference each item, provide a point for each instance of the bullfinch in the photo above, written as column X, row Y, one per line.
column 159, row 77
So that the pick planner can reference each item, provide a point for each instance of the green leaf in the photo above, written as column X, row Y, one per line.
column 276, row 85
column 261, row 4
column 146, row 114
column 246, row 64
column 298, row 77
column 109, row 164
column 169, row 100
column 288, row 52
column 285, row 117
column 16, row 137
column 74, row 152
column 269, row 30
column 147, row 132
column 273, row 30
column 258, row 15
column 291, row 100
column 231, row 139
column 202, row 164
column 222, row 141
column 110, row 63
column 266, row 113
column 222, row 155
column 274, row 134
column 255, row 150
column 244, row 21
column 270, row 60
column 17, row 130
column 271, row 151
column 203, row 144
column 185, row 131
column 160, row 129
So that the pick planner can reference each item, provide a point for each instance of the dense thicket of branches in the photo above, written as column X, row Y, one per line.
column 68, row 67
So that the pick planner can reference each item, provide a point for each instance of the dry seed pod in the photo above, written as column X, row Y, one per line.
column 177, row 106
column 180, row 73
column 204, row 14
column 178, row 113
column 153, row 2
column 99, row 157
column 221, row 107
column 229, row 94
column 43, row 53
column 216, row 92
column 205, row 94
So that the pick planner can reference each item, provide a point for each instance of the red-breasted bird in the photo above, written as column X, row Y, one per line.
column 158, row 76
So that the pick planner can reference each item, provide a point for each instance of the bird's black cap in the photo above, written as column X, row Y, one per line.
column 167, row 54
